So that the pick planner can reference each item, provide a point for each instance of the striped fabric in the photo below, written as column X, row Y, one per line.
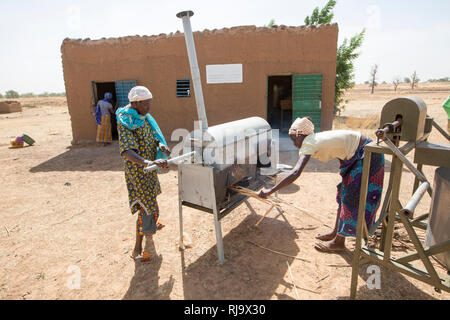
column 104, row 130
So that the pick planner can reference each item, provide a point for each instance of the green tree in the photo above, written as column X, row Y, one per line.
column 271, row 23
column 1, row 96
column 346, row 54
column 323, row 16
column 11, row 94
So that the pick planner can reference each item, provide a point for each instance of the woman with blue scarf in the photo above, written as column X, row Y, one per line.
column 103, row 113
column 141, row 144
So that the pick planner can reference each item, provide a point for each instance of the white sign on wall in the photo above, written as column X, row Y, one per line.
column 224, row 73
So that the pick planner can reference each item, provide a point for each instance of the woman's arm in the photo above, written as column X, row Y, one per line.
column 134, row 157
column 295, row 173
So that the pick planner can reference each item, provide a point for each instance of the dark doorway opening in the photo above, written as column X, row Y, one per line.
column 279, row 102
column 100, row 89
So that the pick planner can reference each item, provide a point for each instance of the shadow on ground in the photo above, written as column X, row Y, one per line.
column 145, row 282
column 91, row 158
column 244, row 273
column 394, row 285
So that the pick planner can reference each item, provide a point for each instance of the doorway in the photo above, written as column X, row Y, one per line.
column 99, row 90
column 279, row 102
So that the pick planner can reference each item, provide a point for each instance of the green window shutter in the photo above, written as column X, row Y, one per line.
column 307, row 97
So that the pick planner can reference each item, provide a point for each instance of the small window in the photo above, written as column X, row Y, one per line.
column 184, row 88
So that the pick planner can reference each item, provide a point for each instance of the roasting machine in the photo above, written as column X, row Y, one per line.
column 405, row 120
column 226, row 155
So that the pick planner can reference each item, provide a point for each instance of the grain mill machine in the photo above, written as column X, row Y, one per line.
column 405, row 119
column 225, row 155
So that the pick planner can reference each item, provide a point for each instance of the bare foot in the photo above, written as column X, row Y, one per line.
column 135, row 253
column 335, row 245
column 326, row 236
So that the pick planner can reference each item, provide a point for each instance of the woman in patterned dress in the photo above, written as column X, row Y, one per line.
column 103, row 113
column 141, row 144
column 348, row 147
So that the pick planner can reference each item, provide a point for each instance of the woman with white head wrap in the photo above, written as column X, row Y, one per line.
column 141, row 143
column 348, row 147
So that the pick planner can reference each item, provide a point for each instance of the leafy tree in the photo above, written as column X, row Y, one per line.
column 407, row 80
column 1, row 96
column 346, row 54
column 323, row 16
column 271, row 23
column 11, row 94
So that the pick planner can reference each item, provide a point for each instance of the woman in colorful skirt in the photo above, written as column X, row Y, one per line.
column 141, row 144
column 103, row 113
column 348, row 147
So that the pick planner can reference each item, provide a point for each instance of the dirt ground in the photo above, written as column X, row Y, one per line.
column 64, row 211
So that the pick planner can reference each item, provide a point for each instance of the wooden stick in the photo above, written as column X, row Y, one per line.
column 262, row 218
column 323, row 278
column 309, row 290
column 302, row 210
column 339, row 265
column 273, row 200
column 280, row 253
column 292, row 280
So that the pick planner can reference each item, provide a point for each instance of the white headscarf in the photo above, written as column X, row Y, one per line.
column 302, row 126
column 139, row 93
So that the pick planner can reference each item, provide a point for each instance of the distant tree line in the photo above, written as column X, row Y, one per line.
column 446, row 79
column 11, row 94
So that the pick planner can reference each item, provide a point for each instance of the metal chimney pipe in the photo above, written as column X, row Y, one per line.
column 195, row 72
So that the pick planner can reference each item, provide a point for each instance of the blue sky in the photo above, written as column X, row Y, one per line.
column 402, row 36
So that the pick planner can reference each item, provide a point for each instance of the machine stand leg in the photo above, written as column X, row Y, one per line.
column 180, row 215
column 219, row 238
column 361, row 221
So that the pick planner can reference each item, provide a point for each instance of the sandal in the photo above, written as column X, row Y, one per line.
column 323, row 248
column 143, row 259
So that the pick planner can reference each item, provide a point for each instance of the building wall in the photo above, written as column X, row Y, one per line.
column 158, row 61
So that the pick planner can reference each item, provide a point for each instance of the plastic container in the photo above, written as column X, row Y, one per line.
column 28, row 139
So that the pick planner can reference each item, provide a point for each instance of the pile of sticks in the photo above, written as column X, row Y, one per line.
column 274, row 202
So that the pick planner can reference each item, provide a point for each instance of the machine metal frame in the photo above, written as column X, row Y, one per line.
column 393, row 211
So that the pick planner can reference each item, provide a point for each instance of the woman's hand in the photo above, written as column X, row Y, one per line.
column 264, row 193
column 164, row 149
column 161, row 163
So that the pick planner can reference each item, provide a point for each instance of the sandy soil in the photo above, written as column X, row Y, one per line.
column 65, row 210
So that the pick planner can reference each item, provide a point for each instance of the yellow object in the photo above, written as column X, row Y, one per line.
column 15, row 144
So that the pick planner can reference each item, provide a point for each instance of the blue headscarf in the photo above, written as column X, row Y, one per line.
column 132, row 120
